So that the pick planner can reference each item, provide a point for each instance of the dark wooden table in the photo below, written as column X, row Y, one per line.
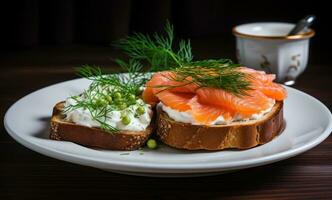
column 25, row 174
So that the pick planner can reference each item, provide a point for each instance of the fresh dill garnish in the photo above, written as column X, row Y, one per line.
column 158, row 51
column 225, row 78
column 136, row 78
column 127, row 83
column 214, row 63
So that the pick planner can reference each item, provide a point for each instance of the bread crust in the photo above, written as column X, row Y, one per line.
column 95, row 137
column 239, row 135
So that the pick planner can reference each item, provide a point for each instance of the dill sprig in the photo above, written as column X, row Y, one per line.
column 157, row 50
column 95, row 74
column 131, row 82
column 136, row 78
column 214, row 63
column 224, row 77
column 221, row 74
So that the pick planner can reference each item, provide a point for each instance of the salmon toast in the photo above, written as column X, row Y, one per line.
column 183, row 101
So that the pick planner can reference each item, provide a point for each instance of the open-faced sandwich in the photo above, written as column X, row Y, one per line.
column 216, row 107
column 109, row 114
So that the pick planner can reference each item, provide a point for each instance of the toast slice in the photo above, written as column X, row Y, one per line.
column 95, row 137
column 239, row 135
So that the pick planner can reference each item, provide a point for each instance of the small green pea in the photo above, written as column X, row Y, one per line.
column 151, row 144
column 125, row 120
column 101, row 102
column 117, row 95
column 118, row 100
column 109, row 99
column 132, row 98
column 140, row 110
column 122, row 106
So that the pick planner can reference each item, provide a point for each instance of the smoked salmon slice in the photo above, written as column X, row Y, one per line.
column 165, row 81
column 249, row 104
column 257, row 76
column 272, row 90
column 264, row 82
column 207, row 114
column 177, row 101
column 149, row 97
column 207, row 104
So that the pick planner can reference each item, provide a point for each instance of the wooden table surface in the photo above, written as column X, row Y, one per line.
column 25, row 174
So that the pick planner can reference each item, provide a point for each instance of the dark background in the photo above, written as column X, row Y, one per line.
column 28, row 24
column 42, row 41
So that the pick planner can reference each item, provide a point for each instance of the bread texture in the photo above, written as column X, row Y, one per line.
column 237, row 135
column 95, row 137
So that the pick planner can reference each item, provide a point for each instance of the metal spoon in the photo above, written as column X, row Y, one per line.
column 303, row 24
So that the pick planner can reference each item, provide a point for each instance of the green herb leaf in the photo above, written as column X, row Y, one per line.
column 220, row 77
column 157, row 50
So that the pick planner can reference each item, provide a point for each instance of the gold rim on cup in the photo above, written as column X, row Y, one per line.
column 308, row 34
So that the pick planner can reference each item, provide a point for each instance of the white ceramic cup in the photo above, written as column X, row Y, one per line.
column 266, row 46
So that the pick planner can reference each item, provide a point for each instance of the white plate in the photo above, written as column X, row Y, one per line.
column 309, row 122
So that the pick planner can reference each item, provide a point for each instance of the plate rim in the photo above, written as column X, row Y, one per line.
column 161, row 168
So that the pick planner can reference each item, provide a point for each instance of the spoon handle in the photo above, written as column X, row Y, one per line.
column 302, row 24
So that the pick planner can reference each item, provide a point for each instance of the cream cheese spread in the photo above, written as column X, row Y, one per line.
column 187, row 117
column 140, row 122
